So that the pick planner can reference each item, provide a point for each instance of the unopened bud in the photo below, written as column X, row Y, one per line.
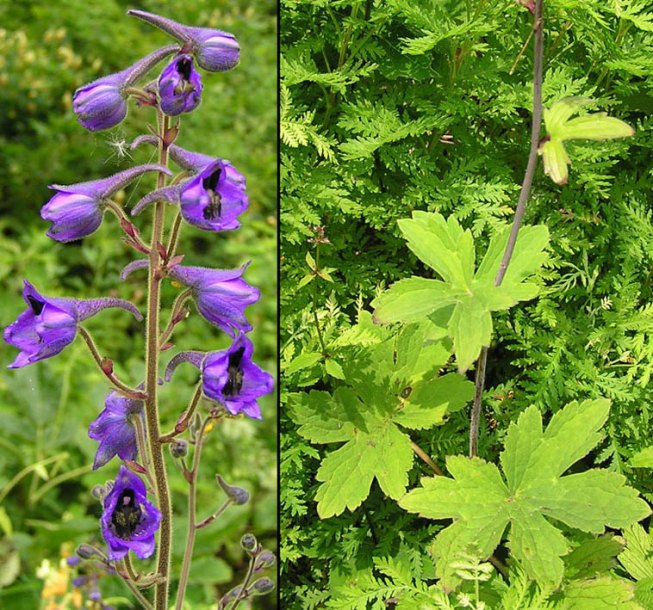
column 249, row 543
column 264, row 560
column 107, row 366
column 238, row 495
column 262, row 586
column 230, row 595
column 178, row 448
column 99, row 492
column 86, row 551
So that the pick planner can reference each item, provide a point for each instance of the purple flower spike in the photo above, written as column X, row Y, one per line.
column 102, row 104
column 216, row 51
column 214, row 198
column 129, row 521
column 50, row 324
column 76, row 210
column 114, row 430
column 180, row 86
column 229, row 376
column 220, row 296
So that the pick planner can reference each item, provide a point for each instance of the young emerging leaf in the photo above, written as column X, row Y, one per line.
column 531, row 491
column 390, row 388
column 471, row 297
column 559, row 127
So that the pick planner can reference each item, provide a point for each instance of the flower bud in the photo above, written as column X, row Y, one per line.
column 98, row 492
column 73, row 561
column 229, row 596
column 262, row 586
column 264, row 560
column 178, row 448
column 86, row 551
column 238, row 495
column 249, row 543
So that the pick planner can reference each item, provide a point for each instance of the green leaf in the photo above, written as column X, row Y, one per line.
column 643, row 458
column 310, row 261
column 532, row 490
column 604, row 593
column 334, row 369
column 305, row 360
column 637, row 557
column 391, row 387
column 447, row 248
column 561, row 127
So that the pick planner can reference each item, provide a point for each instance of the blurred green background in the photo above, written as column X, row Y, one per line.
column 47, row 50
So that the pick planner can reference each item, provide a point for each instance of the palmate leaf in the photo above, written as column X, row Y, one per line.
column 391, row 388
column 531, row 491
column 561, row 127
column 449, row 250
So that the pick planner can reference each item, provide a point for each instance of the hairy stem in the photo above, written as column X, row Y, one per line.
column 107, row 368
column 145, row 604
column 184, row 418
column 192, row 529
column 519, row 214
column 182, row 297
column 174, row 236
column 151, row 382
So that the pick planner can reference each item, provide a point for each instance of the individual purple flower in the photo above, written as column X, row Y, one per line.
column 114, row 429
column 77, row 209
column 50, row 324
column 230, row 377
column 102, row 104
column 215, row 51
column 214, row 198
column 220, row 295
column 180, row 86
column 129, row 521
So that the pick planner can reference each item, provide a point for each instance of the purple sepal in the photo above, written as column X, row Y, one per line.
column 231, row 378
column 114, row 430
column 216, row 51
column 76, row 210
column 129, row 521
column 214, row 198
column 221, row 296
column 102, row 104
column 195, row 358
column 49, row 324
column 141, row 263
column 169, row 194
column 180, row 86
column 186, row 159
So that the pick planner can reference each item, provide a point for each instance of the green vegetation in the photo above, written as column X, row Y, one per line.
column 392, row 110
column 46, row 51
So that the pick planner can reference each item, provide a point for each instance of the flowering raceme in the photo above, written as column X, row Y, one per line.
column 210, row 194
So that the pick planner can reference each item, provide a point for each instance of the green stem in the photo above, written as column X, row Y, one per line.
column 213, row 516
column 145, row 604
column 190, row 535
column 151, row 384
column 182, row 422
column 243, row 591
column 317, row 321
column 108, row 371
column 174, row 236
column 182, row 297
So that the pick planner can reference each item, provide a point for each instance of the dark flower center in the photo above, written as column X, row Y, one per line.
column 184, row 66
column 235, row 371
column 210, row 185
column 127, row 515
column 37, row 306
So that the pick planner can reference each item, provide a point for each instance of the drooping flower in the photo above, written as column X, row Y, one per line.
column 215, row 51
column 50, row 323
column 114, row 429
column 129, row 521
column 102, row 104
column 77, row 209
column 214, row 198
column 230, row 377
column 180, row 86
column 220, row 295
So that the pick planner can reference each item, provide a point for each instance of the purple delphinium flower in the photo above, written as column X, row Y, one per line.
column 77, row 209
column 102, row 104
column 214, row 198
column 180, row 86
column 129, row 521
column 215, row 51
column 50, row 324
column 220, row 295
column 114, row 430
column 230, row 377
